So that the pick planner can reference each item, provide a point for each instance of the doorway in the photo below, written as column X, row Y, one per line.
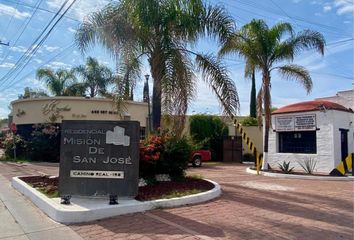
column 344, row 147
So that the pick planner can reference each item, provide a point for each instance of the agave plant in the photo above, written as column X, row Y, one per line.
column 308, row 165
column 285, row 167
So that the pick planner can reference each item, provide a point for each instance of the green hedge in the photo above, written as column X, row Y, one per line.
column 210, row 131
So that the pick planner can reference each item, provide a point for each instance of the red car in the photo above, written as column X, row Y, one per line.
column 198, row 156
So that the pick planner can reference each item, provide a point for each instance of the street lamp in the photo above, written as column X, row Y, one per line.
column 148, row 101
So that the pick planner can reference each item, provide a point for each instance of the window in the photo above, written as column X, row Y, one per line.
column 297, row 142
column 142, row 133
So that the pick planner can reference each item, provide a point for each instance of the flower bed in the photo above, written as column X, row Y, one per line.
column 159, row 190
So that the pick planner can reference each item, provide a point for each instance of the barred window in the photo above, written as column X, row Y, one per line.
column 297, row 142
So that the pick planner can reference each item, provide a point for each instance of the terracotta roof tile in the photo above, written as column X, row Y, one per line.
column 308, row 106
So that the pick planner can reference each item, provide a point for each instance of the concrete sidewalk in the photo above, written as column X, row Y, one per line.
column 21, row 220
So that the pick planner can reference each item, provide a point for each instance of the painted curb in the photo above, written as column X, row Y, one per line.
column 69, row 214
column 306, row 177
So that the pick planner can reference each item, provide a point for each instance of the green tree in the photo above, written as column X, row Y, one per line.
column 58, row 81
column 210, row 132
column 32, row 93
column 96, row 77
column 162, row 31
column 264, row 49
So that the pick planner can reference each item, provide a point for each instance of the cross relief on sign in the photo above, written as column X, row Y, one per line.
column 117, row 137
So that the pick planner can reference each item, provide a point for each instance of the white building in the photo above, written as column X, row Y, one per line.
column 345, row 98
column 318, row 129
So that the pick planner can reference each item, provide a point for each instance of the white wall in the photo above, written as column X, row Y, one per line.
column 342, row 120
column 328, row 141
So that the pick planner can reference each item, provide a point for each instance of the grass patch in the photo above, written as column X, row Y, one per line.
column 54, row 194
column 177, row 194
column 196, row 176
column 211, row 163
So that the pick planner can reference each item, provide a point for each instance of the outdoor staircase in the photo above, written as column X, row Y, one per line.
column 251, row 146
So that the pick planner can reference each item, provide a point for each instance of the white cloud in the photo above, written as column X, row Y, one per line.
column 327, row 8
column 4, row 112
column 72, row 30
column 7, row 65
column 20, row 49
column 80, row 9
column 56, row 64
column 37, row 60
column 50, row 48
column 344, row 6
column 11, row 11
column 34, row 83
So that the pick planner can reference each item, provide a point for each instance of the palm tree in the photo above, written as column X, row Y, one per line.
column 161, row 32
column 58, row 81
column 264, row 49
column 96, row 77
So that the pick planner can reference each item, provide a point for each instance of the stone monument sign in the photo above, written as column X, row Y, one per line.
column 99, row 158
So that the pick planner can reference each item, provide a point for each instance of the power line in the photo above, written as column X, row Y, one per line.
column 24, row 60
column 286, row 14
column 43, row 9
column 330, row 29
column 340, row 42
column 31, row 48
column 332, row 74
column 12, row 17
column 42, row 65
column 23, row 29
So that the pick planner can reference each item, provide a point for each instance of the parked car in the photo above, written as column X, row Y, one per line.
column 199, row 156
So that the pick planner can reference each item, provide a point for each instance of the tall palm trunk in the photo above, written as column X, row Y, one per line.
column 253, row 107
column 157, row 75
column 267, row 116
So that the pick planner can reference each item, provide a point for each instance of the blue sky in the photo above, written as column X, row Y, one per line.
column 331, row 73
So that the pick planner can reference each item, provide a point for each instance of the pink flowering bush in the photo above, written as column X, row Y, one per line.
column 43, row 144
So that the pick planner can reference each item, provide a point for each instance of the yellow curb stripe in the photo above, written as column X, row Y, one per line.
column 348, row 161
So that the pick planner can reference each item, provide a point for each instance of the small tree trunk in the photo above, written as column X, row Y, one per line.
column 267, row 117
column 92, row 91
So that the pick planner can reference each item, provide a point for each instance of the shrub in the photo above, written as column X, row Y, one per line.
column 163, row 154
column 175, row 157
column 249, row 121
column 150, row 154
column 308, row 165
column 8, row 144
column 285, row 167
column 43, row 144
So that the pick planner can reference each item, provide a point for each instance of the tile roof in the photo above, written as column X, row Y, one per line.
column 316, row 105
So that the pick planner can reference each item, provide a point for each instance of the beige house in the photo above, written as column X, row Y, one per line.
column 55, row 109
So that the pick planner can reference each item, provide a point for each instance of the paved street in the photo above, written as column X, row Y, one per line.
column 251, row 207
